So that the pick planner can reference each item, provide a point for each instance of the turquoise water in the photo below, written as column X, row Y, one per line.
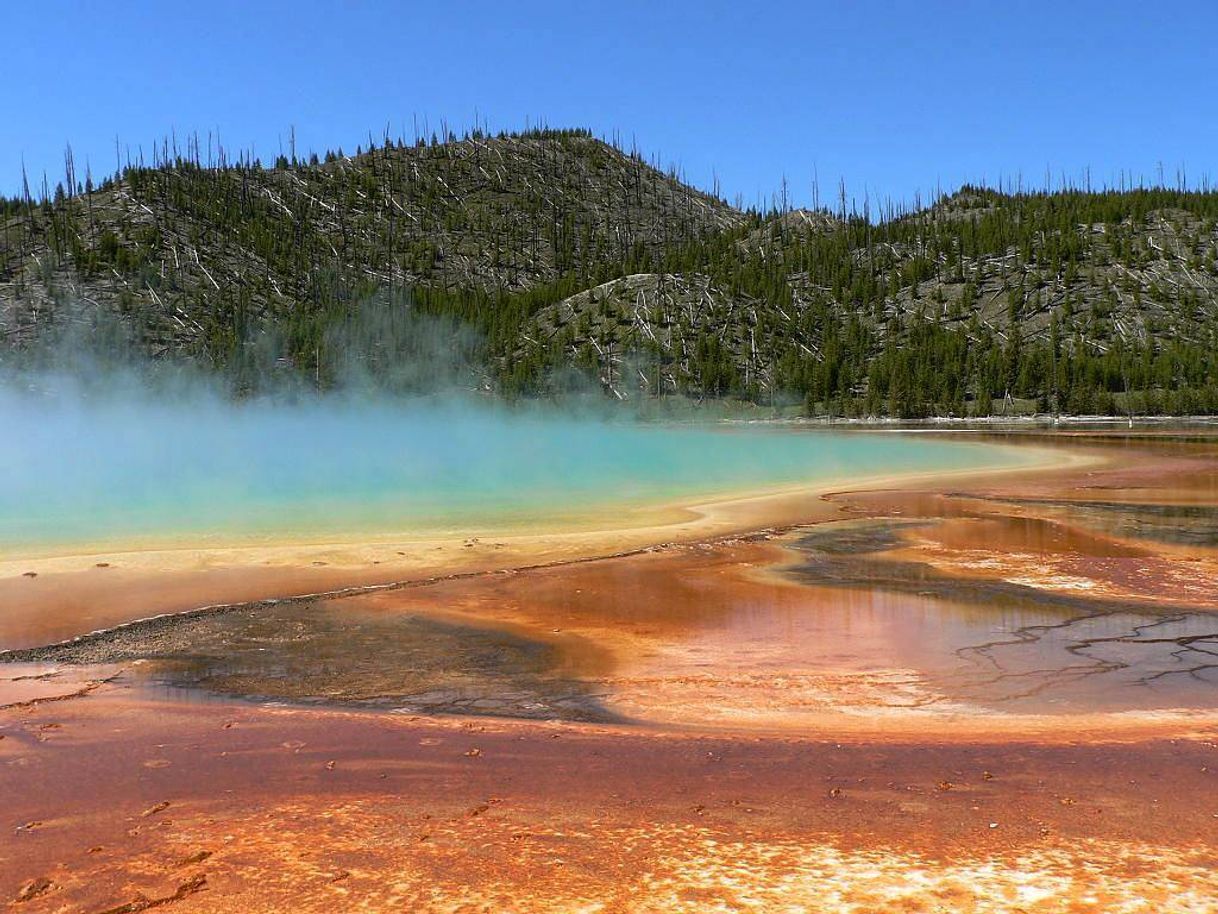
column 207, row 469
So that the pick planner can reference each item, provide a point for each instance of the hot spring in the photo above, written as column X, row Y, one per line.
column 203, row 468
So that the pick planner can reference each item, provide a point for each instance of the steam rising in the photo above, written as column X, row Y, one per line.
column 99, row 447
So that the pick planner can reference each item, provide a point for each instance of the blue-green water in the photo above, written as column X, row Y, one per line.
column 204, row 469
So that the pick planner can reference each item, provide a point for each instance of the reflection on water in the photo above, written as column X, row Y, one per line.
column 1016, row 656
column 1032, row 612
column 838, row 648
column 1182, row 524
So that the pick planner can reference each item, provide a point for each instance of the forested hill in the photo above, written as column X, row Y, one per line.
column 561, row 256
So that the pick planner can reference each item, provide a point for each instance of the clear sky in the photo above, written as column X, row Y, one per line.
column 894, row 97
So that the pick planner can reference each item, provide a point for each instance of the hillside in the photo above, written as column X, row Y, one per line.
column 558, row 253
column 199, row 257
column 1074, row 302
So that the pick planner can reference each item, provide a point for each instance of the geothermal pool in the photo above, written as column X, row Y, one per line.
column 201, row 470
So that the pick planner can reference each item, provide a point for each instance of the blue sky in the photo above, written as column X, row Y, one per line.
column 894, row 97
